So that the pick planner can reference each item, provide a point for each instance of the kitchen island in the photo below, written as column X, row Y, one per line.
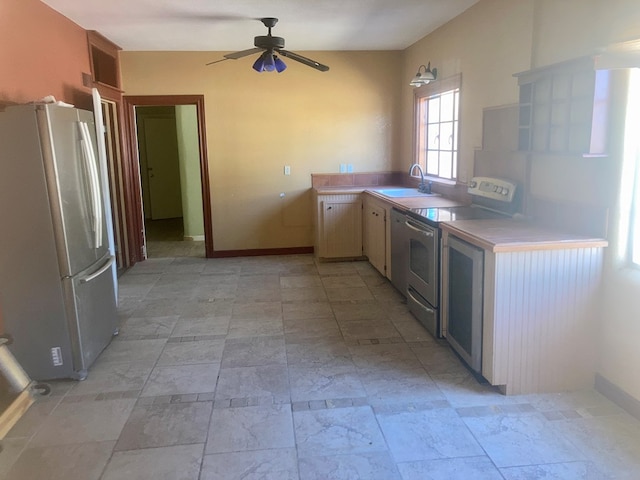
column 540, row 303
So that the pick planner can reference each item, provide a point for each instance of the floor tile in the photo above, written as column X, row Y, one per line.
column 113, row 377
column 239, row 328
column 81, row 461
column 367, row 329
column 263, row 381
column 309, row 332
column 466, row 391
column 358, row 311
column 204, row 305
column 142, row 352
column 165, row 425
column 306, row 294
column 192, row 352
column 558, row 471
column 321, row 383
column 322, row 352
column 160, row 307
column 371, row 466
column 612, row 443
column 339, row 431
column 178, row 379
column 257, row 310
column 300, row 281
column 181, row 462
column 307, row 310
column 250, row 428
column 476, row 468
column 516, row 440
column 427, row 435
column 33, row 418
column 254, row 351
column 189, row 327
column 393, row 386
column 160, row 326
column 338, row 294
column 274, row 464
column 342, row 281
column 83, row 422
column 11, row 450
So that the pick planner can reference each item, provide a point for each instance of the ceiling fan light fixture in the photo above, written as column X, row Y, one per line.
column 424, row 77
column 258, row 65
column 280, row 65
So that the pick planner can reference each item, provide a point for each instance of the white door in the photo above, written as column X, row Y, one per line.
column 163, row 168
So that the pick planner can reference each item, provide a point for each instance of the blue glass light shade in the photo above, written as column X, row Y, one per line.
column 268, row 62
column 280, row 65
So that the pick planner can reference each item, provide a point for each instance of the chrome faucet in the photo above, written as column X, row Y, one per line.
column 423, row 187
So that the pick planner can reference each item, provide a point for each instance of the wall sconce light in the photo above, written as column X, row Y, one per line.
column 422, row 78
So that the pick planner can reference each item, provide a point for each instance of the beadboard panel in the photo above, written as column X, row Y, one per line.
column 539, row 312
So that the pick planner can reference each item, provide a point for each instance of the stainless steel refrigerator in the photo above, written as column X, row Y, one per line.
column 57, row 291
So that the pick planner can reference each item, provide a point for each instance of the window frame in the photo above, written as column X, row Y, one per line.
column 420, row 155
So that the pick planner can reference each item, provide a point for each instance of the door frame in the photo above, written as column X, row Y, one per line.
column 135, row 215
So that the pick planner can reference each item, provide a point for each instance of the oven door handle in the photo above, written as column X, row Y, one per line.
column 420, row 304
column 426, row 233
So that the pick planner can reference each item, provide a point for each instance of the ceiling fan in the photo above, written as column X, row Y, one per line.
column 271, row 47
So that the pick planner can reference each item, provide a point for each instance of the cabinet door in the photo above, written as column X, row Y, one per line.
column 375, row 236
column 342, row 228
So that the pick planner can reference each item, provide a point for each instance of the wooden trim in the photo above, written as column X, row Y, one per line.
column 133, row 188
column 100, row 42
column 12, row 414
column 262, row 251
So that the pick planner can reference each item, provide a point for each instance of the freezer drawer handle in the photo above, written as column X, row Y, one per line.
column 426, row 233
column 104, row 268
column 427, row 309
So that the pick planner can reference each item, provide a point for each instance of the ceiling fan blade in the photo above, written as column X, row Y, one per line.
column 305, row 60
column 216, row 61
column 242, row 53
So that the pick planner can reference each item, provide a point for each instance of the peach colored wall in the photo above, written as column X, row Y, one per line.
column 258, row 123
column 41, row 53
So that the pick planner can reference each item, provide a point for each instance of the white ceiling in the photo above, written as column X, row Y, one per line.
column 231, row 25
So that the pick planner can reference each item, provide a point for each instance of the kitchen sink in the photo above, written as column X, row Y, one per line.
column 403, row 192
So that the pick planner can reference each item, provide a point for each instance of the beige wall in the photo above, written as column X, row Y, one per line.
column 258, row 123
column 487, row 44
column 474, row 44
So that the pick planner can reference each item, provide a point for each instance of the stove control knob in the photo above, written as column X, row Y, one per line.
column 505, row 191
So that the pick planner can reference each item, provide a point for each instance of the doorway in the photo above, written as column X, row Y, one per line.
column 170, row 168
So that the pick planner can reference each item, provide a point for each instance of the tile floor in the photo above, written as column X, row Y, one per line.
column 280, row 368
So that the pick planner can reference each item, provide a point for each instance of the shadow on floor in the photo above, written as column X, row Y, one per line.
column 165, row 238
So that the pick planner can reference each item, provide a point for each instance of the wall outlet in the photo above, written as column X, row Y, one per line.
column 349, row 168
column 287, row 169
column 343, row 168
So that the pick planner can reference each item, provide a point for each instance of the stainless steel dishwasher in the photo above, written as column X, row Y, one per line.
column 399, row 251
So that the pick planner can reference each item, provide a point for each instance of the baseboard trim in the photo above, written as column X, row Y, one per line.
column 262, row 251
column 618, row 396
column 193, row 238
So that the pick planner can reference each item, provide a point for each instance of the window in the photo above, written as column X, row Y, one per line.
column 437, row 107
column 630, row 188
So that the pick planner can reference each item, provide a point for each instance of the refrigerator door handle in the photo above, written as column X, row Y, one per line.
column 99, row 272
column 94, row 182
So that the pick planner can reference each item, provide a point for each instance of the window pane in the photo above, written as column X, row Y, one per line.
column 446, row 107
column 446, row 164
column 446, row 136
column 434, row 136
column 434, row 109
column 437, row 132
column 432, row 162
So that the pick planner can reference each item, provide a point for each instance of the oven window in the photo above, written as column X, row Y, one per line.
column 420, row 261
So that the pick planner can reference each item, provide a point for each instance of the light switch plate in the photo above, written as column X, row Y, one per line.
column 287, row 169
column 349, row 168
column 343, row 168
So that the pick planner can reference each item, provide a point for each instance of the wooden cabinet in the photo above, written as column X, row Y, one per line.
column 375, row 234
column 338, row 226
column 563, row 109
